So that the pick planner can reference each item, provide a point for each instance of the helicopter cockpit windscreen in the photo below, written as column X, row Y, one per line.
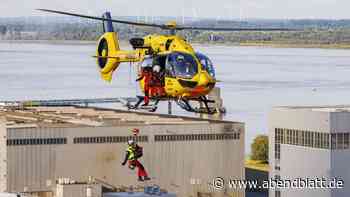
column 206, row 63
column 182, row 65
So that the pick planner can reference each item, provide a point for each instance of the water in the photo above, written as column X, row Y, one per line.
column 253, row 78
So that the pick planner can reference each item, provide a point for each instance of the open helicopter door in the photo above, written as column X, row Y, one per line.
column 107, row 49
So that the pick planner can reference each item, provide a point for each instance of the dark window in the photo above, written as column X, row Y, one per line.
column 312, row 139
column 277, row 167
column 227, row 136
column 346, row 140
column 327, row 137
column 277, row 151
column 182, row 137
column 187, row 138
column 333, row 141
column 277, row 193
column 340, row 142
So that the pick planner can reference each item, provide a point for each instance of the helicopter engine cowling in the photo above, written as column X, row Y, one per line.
column 137, row 42
column 107, row 48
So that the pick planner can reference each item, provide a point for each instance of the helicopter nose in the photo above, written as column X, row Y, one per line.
column 204, row 79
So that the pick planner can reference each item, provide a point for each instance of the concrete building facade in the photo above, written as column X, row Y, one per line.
column 310, row 143
column 41, row 144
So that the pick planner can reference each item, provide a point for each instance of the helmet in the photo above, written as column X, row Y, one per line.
column 156, row 68
column 135, row 131
column 180, row 58
column 131, row 142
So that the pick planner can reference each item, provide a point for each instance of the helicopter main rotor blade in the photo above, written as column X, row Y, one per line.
column 103, row 19
column 162, row 26
column 234, row 29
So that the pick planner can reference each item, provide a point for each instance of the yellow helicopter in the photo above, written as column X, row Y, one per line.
column 169, row 67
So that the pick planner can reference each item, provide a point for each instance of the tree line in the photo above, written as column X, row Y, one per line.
column 312, row 31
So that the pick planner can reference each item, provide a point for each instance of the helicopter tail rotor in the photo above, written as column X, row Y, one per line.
column 108, row 53
column 108, row 46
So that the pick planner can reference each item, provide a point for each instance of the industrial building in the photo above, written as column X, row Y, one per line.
column 310, row 143
column 39, row 145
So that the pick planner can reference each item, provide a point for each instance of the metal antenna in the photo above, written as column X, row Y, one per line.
column 130, row 66
column 183, row 16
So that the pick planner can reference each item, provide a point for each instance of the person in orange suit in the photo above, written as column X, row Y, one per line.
column 156, row 83
column 146, row 75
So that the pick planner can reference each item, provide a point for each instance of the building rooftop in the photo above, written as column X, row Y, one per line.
column 71, row 116
column 324, row 108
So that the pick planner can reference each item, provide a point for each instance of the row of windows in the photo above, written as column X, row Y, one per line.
column 36, row 141
column 310, row 139
column 313, row 139
column 108, row 139
column 197, row 137
column 302, row 138
column 124, row 139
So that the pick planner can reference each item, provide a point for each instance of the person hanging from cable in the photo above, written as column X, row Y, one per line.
column 133, row 153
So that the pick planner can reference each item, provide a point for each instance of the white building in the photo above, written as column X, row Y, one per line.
column 42, row 144
column 310, row 143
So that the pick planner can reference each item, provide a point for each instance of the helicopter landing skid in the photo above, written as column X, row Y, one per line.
column 185, row 104
column 152, row 107
column 182, row 103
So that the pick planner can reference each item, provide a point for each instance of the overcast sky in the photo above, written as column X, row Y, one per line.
column 282, row 9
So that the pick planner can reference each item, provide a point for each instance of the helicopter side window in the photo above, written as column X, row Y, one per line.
column 206, row 63
column 181, row 65
column 169, row 70
column 147, row 62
